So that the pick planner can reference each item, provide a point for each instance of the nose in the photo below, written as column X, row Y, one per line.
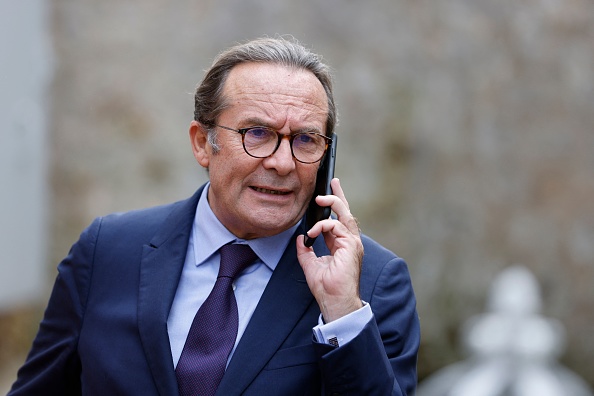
column 282, row 160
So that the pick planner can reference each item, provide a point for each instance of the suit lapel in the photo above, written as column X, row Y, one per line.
column 162, row 262
column 284, row 301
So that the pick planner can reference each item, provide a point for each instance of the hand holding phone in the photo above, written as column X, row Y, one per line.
column 325, row 174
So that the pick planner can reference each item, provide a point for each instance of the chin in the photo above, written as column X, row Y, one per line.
column 270, row 227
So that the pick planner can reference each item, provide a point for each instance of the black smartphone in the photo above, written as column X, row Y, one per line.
column 325, row 174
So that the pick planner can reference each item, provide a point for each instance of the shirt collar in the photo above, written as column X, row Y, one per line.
column 209, row 235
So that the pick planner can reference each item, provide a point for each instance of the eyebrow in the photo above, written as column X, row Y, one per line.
column 255, row 121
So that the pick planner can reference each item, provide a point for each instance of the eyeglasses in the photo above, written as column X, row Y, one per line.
column 262, row 142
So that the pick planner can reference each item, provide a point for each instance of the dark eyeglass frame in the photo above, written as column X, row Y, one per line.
column 280, row 136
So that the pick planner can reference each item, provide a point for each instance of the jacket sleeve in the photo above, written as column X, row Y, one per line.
column 52, row 366
column 382, row 359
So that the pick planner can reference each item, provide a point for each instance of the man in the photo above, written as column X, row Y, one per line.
column 121, row 318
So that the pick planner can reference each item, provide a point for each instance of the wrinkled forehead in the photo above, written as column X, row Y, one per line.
column 276, row 90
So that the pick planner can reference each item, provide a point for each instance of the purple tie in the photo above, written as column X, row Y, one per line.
column 214, row 329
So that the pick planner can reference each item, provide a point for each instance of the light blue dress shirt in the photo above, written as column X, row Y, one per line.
column 200, row 271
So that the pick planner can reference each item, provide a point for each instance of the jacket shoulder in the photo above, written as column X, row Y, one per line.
column 144, row 223
column 379, row 263
column 375, row 251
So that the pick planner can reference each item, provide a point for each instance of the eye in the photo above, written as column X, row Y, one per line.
column 259, row 133
column 304, row 138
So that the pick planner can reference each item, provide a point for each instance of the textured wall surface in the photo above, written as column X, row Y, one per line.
column 467, row 133
column 25, row 72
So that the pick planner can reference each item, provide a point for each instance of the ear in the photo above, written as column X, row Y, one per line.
column 200, row 147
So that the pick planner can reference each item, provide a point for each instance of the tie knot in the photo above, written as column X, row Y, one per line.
column 234, row 258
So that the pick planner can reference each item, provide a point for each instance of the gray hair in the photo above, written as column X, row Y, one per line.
column 209, row 100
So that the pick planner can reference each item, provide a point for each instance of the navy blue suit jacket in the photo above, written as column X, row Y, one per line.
column 104, row 331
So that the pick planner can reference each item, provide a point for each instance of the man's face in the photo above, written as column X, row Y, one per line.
column 257, row 197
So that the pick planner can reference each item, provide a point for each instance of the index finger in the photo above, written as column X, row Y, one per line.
column 343, row 211
column 337, row 190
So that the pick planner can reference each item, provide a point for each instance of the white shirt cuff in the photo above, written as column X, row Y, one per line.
column 344, row 329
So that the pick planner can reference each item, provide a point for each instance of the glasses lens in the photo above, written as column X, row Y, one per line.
column 259, row 142
column 308, row 147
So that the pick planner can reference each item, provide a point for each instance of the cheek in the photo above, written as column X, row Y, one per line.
column 230, row 162
column 308, row 180
column 232, row 147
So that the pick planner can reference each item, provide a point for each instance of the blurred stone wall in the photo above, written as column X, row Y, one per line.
column 467, row 133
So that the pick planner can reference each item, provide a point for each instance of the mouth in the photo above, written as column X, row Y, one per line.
column 269, row 191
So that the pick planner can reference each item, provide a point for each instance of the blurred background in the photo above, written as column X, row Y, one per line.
column 467, row 140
